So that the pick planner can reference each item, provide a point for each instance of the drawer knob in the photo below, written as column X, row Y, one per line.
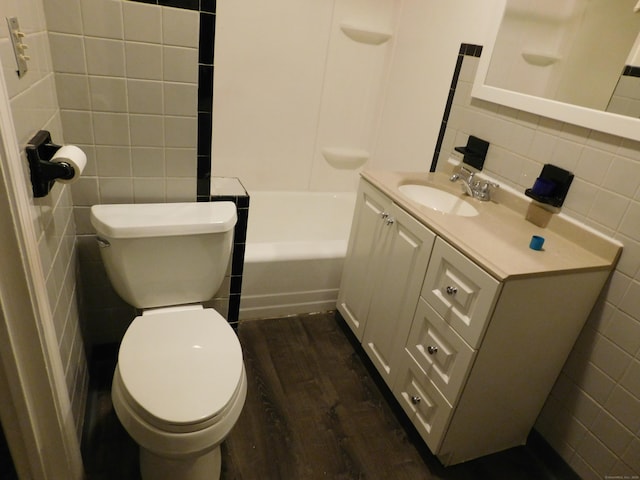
column 390, row 220
column 451, row 290
column 384, row 215
column 432, row 350
column 415, row 399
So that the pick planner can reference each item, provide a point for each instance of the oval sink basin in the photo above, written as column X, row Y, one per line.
column 438, row 200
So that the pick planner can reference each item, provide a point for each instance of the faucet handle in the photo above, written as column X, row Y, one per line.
column 462, row 173
column 485, row 190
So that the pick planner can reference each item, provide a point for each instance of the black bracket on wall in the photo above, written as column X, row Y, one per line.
column 475, row 152
column 552, row 186
column 40, row 150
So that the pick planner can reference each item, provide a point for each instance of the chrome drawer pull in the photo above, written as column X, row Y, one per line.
column 452, row 290
column 384, row 215
column 415, row 399
column 390, row 221
column 432, row 350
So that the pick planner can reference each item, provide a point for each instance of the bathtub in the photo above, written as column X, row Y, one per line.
column 296, row 244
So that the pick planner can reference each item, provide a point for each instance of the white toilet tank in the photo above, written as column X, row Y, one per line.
column 165, row 254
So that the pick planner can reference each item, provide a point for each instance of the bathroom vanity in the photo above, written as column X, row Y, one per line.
column 467, row 325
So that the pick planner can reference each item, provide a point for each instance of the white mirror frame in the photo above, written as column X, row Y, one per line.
column 606, row 122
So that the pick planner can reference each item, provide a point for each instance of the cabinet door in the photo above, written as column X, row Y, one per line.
column 438, row 349
column 368, row 231
column 460, row 291
column 405, row 255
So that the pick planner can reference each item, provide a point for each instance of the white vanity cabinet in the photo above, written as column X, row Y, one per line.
column 386, row 260
column 470, row 355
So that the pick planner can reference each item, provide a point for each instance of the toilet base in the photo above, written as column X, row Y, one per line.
column 202, row 467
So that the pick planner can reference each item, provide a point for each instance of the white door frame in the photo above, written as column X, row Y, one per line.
column 35, row 408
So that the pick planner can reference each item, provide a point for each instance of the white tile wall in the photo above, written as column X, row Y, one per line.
column 34, row 106
column 146, row 97
column 102, row 19
column 141, row 22
column 122, row 66
column 592, row 417
column 127, row 87
column 173, row 27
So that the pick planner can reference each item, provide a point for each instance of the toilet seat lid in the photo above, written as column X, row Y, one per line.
column 181, row 367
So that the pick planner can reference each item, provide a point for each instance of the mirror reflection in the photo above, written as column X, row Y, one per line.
column 578, row 52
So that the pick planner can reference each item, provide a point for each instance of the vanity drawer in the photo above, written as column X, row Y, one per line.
column 440, row 351
column 428, row 410
column 460, row 291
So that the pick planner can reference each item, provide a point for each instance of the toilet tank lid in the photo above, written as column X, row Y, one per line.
column 163, row 219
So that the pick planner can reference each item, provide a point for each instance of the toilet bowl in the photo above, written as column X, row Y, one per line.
column 180, row 384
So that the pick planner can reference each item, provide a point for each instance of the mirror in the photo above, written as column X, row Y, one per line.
column 564, row 59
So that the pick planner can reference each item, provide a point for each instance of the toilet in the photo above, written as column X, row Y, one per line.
column 180, row 383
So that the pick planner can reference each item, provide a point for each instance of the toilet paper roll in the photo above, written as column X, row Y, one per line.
column 75, row 157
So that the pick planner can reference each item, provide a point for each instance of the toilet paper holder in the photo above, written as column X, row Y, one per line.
column 40, row 150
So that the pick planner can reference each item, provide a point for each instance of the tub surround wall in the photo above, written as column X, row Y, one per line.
column 592, row 416
column 34, row 106
column 283, row 96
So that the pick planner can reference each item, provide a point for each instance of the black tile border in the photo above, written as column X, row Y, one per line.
column 469, row 50
column 186, row 4
column 206, row 43
column 239, row 245
column 631, row 71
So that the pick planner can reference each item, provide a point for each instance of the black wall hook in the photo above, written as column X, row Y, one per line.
column 40, row 150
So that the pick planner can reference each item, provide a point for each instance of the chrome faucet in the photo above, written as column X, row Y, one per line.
column 479, row 189
column 466, row 177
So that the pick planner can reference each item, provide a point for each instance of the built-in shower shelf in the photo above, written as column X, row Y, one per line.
column 362, row 34
column 345, row 158
column 539, row 59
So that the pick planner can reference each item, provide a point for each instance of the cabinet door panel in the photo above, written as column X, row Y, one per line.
column 428, row 410
column 367, row 233
column 405, row 256
column 460, row 291
column 440, row 351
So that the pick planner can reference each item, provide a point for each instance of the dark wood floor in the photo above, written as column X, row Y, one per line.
column 315, row 409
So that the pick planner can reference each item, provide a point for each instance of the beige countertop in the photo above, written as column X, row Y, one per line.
column 498, row 237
